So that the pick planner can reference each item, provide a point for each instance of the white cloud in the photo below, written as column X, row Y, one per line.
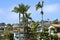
column 52, row 8
column 12, row 16
column 1, row 11
column 12, row 7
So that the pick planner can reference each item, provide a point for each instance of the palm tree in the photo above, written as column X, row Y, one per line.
column 21, row 9
column 9, row 27
column 39, row 5
column 27, row 17
column 7, row 32
column 34, row 30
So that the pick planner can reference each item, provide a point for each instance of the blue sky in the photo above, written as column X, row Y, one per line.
column 51, row 10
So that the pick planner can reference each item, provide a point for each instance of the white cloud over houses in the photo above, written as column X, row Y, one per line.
column 51, row 8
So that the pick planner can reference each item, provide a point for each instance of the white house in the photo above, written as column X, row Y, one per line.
column 51, row 31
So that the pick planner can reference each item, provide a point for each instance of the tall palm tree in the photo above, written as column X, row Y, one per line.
column 27, row 17
column 21, row 9
column 26, row 21
column 39, row 5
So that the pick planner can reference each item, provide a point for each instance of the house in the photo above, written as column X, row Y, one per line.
column 46, row 23
column 17, row 36
column 2, row 26
column 15, row 25
column 57, row 26
column 51, row 30
column 20, row 30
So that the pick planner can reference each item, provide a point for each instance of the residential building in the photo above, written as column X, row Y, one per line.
column 2, row 26
column 57, row 26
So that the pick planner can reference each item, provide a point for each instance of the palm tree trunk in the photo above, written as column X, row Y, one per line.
column 42, row 17
column 19, row 26
column 23, row 20
column 24, row 25
column 19, row 18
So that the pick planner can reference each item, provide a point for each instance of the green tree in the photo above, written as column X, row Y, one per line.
column 11, row 36
column 7, row 33
column 21, row 9
column 9, row 27
column 55, row 21
column 38, row 6
column 0, row 36
column 33, row 30
column 45, row 35
column 27, row 17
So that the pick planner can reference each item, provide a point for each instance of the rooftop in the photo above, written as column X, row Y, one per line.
column 56, row 25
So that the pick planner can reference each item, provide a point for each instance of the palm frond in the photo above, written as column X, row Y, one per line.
column 23, row 8
column 27, row 7
column 15, row 9
column 42, row 3
column 39, row 5
column 27, row 14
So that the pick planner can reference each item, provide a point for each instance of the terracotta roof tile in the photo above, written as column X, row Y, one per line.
column 56, row 25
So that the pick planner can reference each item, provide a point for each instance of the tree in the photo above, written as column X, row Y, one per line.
column 39, row 5
column 33, row 30
column 9, row 27
column 11, row 36
column 7, row 33
column 55, row 21
column 3, row 24
column 0, row 36
column 21, row 9
column 27, row 17
column 46, row 35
